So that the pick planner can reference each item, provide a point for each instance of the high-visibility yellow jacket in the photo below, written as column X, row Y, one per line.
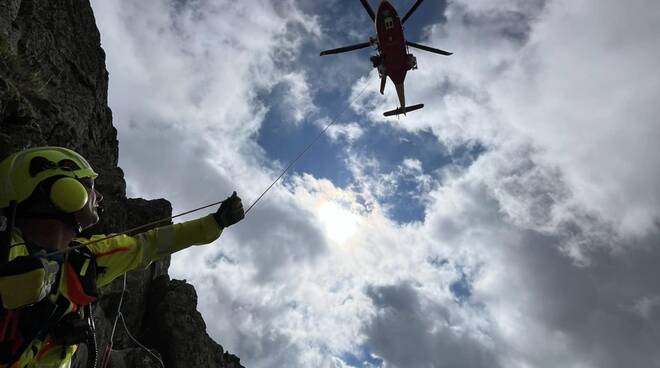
column 114, row 257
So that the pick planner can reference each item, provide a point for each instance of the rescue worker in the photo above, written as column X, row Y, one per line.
column 47, row 198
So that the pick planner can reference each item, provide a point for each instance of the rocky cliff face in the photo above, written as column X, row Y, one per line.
column 53, row 91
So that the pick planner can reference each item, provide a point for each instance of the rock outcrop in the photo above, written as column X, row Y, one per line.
column 53, row 91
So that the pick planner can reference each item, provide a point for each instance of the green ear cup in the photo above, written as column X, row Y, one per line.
column 68, row 195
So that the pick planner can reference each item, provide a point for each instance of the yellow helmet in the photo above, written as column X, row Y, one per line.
column 22, row 172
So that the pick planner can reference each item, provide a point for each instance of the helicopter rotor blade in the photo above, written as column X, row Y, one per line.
column 411, row 11
column 346, row 49
column 429, row 49
column 383, row 79
column 369, row 10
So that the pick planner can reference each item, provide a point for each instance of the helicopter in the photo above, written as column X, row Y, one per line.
column 393, row 59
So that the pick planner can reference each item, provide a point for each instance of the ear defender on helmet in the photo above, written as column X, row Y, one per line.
column 68, row 195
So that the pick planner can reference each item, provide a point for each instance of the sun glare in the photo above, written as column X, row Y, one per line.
column 339, row 223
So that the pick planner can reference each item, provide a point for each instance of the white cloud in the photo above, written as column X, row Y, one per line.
column 590, row 105
column 350, row 132
column 378, row 185
column 298, row 97
column 576, row 90
column 646, row 306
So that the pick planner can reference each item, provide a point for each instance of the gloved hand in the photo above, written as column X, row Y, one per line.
column 230, row 211
column 26, row 280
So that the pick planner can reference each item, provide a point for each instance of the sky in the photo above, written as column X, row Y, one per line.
column 514, row 221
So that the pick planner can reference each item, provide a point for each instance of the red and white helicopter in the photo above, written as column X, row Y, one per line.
column 393, row 59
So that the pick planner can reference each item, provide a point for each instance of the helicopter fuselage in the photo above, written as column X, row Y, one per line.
column 391, row 42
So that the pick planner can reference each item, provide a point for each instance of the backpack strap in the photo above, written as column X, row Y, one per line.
column 7, row 223
column 81, row 276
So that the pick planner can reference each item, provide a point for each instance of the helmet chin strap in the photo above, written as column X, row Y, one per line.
column 7, row 226
column 75, row 224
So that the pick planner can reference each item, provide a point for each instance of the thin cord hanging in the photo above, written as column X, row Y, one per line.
column 108, row 350
column 166, row 219
column 306, row 148
column 123, row 321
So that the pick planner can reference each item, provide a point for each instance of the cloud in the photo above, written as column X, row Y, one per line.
column 298, row 99
column 572, row 96
column 590, row 108
column 542, row 308
column 408, row 332
column 349, row 132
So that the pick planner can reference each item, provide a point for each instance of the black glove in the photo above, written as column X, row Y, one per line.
column 230, row 211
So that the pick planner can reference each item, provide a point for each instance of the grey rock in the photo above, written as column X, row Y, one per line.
column 172, row 326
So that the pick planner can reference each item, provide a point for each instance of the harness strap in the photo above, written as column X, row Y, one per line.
column 7, row 319
column 5, row 241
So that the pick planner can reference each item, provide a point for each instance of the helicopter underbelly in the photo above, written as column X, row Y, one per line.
column 391, row 43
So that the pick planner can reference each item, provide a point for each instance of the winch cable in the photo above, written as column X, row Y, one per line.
column 141, row 227
column 167, row 219
column 108, row 349
column 318, row 136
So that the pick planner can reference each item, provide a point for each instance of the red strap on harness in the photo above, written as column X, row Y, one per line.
column 46, row 347
column 9, row 326
column 75, row 290
column 9, row 331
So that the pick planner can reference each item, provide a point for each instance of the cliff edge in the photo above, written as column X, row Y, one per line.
column 53, row 91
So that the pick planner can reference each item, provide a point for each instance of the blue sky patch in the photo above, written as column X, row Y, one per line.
column 391, row 145
column 284, row 142
column 363, row 359
column 461, row 289
column 429, row 13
